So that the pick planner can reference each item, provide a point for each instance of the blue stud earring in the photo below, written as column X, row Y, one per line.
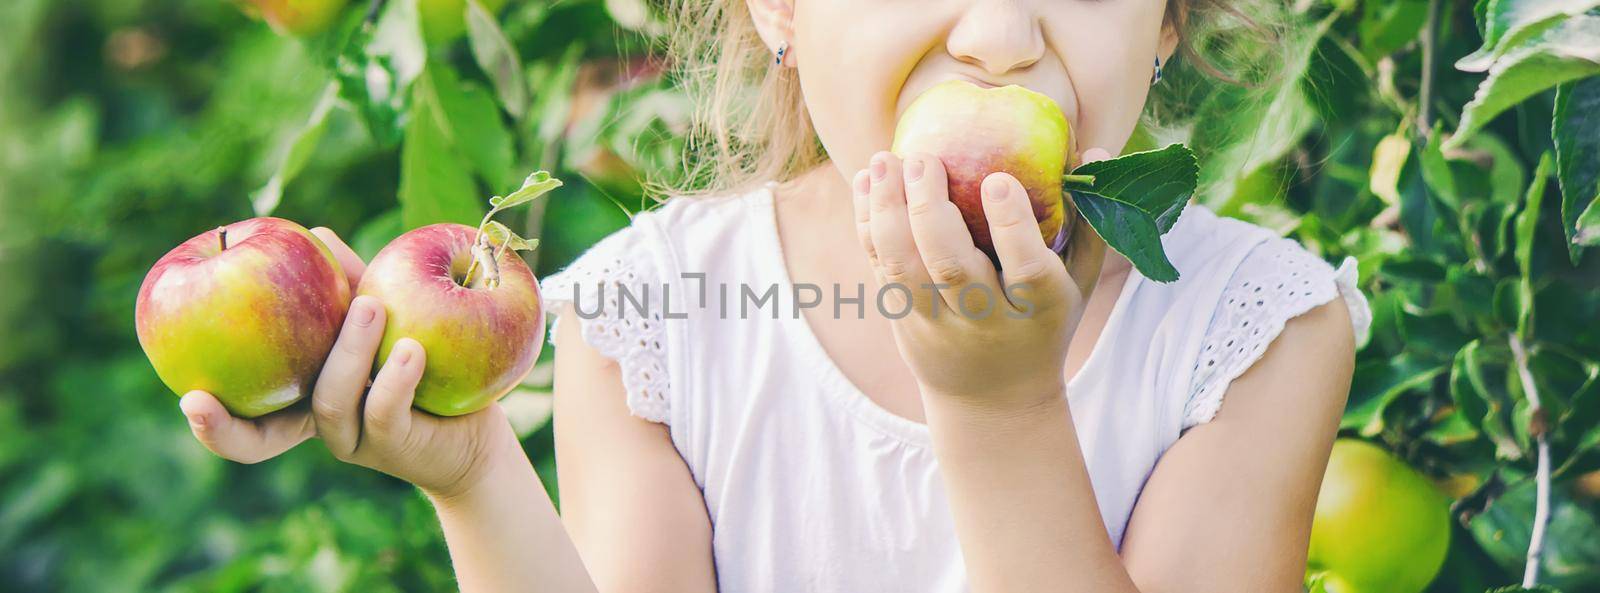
column 1155, row 77
column 782, row 50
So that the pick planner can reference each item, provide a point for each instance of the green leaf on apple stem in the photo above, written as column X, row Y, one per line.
column 500, row 234
column 537, row 184
column 1136, row 198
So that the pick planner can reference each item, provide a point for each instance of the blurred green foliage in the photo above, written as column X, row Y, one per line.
column 1451, row 148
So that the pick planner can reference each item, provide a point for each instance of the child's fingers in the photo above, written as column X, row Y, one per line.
column 899, row 263
column 242, row 440
column 860, row 192
column 348, row 260
column 388, row 408
column 1026, row 263
column 336, row 401
column 948, row 254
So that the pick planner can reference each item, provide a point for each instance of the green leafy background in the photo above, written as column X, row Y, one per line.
column 1468, row 196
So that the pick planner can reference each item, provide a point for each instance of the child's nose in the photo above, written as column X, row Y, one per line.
column 997, row 35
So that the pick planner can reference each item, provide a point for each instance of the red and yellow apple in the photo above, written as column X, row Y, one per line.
column 480, row 333
column 1380, row 527
column 247, row 312
column 445, row 20
column 298, row 17
column 977, row 131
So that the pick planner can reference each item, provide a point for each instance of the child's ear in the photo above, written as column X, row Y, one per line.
column 1172, row 30
column 774, row 20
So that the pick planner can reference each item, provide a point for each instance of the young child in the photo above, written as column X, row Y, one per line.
column 743, row 405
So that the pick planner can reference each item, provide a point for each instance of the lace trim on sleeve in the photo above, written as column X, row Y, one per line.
column 1278, row 281
column 594, row 285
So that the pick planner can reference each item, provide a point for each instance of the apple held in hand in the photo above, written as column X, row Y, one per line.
column 481, row 331
column 247, row 312
column 1380, row 527
column 977, row 131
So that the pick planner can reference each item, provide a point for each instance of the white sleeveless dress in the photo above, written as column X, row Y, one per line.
column 810, row 485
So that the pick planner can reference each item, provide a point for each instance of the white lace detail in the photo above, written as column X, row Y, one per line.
column 1276, row 282
column 615, row 328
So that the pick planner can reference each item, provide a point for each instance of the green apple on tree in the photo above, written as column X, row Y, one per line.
column 445, row 20
column 298, row 17
column 976, row 131
column 247, row 312
column 1380, row 527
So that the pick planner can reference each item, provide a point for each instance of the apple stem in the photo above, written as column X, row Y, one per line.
column 1078, row 179
column 486, row 258
column 222, row 238
column 1539, row 430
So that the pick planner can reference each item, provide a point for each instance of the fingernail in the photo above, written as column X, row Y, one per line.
column 914, row 169
column 197, row 420
column 995, row 188
column 402, row 355
column 862, row 183
column 879, row 168
column 362, row 312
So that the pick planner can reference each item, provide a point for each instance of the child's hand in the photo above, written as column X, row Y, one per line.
column 915, row 238
column 371, row 426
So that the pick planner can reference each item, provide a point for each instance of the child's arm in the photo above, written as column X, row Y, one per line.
column 1229, row 506
column 626, row 495
column 503, row 533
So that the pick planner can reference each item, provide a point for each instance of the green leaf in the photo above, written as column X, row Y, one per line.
column 304, row 142
column 376, row 70
column 1508, row 23
column 1522, row 589
column 535, row 185
column 1575, row 131
column 1568, row 51
column 1386, row 27
column 1527, row 225
column 1339, row 82
column 435, row 182
column 1507, row 175
column 1571, row 550
column 1378, row 384
column 497, row 58
column 552, row 104
column 474, row 126
column 1466, row 385
column 500, row 234
column 1136, row 198
column 1436, row 172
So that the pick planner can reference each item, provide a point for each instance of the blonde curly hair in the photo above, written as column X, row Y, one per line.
column 750, row 124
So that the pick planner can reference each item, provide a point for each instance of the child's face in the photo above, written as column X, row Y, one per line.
column 861, row 62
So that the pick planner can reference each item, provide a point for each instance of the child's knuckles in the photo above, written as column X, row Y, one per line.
column 948, row 269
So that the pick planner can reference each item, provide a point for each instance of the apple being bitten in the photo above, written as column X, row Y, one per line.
column 480, row 326
column 976, row 131
column 247, row 312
